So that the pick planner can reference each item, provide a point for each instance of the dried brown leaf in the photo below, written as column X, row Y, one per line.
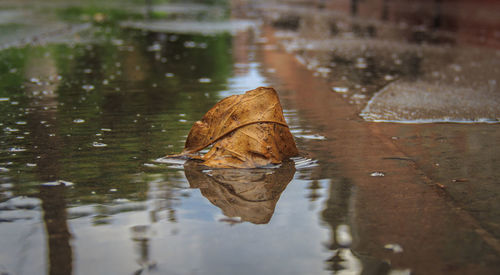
column 246, row 131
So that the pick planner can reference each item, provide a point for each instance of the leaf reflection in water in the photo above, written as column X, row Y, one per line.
column 249, row 194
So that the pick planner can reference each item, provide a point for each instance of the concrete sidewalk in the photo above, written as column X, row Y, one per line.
column 439, row 197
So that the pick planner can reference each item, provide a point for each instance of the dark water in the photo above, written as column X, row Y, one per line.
column 82, row 191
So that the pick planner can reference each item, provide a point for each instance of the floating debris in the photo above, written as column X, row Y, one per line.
column 58, row 183
column 302, row 162
column 17, row 149
column 204, row 80
column 88, row 87
column 8, row 129
column 324, row 71
column 99, row 144
column 175, row 161
column 394, row 247
column 121, row 200
column 389, row 77
column 340, row 89
column 189, row 44
column 361, row 63
column 313, row 136
column 78, row 120
column 35, row 80
column 359, row 96
column 377, row 174
column 154, row 48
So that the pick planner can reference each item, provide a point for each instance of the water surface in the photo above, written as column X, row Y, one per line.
column 82, row 191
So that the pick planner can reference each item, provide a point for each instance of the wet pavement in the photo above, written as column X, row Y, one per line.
column 394, row 107
column 396, row 68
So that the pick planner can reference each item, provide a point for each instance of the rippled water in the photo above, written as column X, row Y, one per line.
column 82, row 189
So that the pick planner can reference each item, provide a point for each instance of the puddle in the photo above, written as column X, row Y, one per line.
column 99, row 114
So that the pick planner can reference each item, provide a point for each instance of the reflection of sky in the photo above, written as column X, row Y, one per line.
column 198, row 243
column 25, row 238
column 293, row 242
column 196, row 207
column 247, row 77
column 290, row 244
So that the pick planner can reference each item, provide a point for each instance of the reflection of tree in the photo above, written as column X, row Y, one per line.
column 336, row 214
column 354, row 7
column 165, row 196
column 46, row 82
column 250, row 194
column 54, row 209
column 141, row 237
column 314, row 187
column 47, row 143
column 122, row 77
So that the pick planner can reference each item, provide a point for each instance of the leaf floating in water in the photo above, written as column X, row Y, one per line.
column 246, row 131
